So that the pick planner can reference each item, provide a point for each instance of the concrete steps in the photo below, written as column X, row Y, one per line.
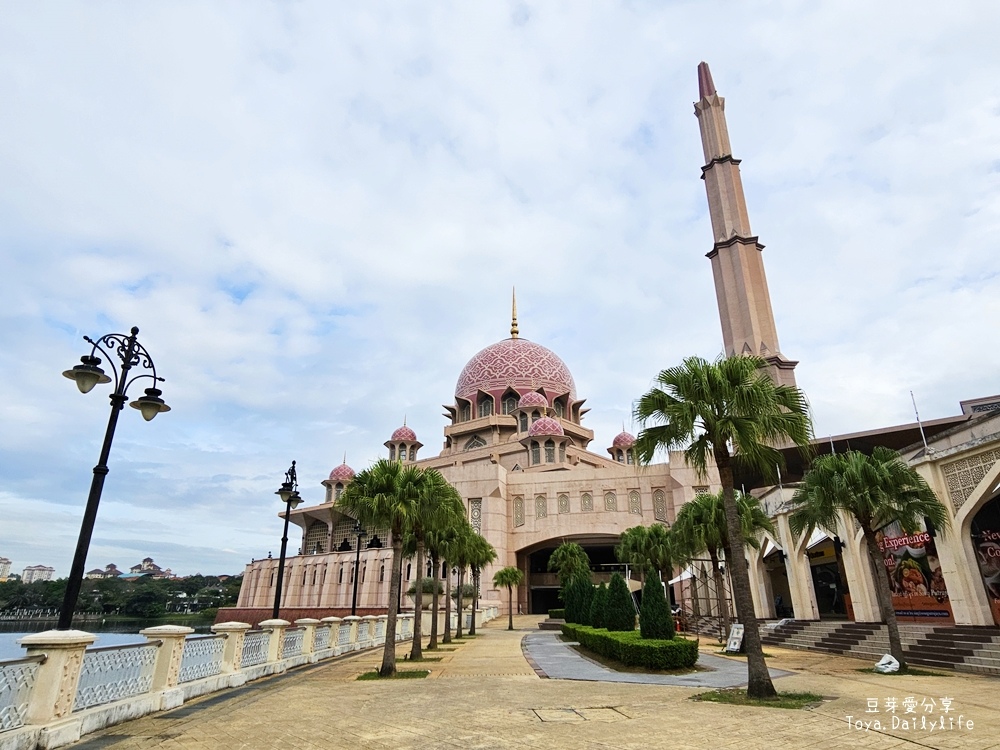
column 961, row 647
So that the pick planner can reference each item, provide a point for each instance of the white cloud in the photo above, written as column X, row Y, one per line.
column 315, row 215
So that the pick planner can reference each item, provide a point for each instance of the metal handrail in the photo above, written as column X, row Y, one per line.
column 124, row 646
column 34, row 658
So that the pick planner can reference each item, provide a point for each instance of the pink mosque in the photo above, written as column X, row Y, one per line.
column 518, row 452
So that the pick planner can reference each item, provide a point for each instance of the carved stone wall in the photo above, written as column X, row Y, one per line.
column 964, row 475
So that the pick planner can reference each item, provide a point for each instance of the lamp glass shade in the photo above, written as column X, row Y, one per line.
column 295, row 500
column 285, row 492
column 87, row 375
column 151, row 404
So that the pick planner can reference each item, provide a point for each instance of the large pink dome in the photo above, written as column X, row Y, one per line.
column 516, row 363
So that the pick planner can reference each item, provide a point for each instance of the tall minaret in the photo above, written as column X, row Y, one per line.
column 737, row 265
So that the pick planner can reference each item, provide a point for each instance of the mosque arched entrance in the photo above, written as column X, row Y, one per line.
column 985, row 532
column 540, row 590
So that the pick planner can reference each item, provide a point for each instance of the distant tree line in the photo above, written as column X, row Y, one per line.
column 137, row 597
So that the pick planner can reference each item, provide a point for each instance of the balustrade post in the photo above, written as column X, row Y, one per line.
column 276, row 638
column 334, row 623
column 382, row 620
column 368, row 631
column 355, row 627
column 232, row 655
column 309, row 636
column 167, row 672
column 58, row 676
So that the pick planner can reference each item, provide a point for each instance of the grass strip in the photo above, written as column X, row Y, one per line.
column 738, row 697
column 401, row 674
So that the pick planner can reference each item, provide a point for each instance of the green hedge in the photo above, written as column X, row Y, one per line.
column 557, row 614
column 632, row 650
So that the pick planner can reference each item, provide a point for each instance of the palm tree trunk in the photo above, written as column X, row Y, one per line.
column 759, row 683
column 389, row 651
column 416, row 648
column 475, row 600
column 884, row 592
column 435, row 602
column 458, row 602
column 447, row 603
column 510, row 607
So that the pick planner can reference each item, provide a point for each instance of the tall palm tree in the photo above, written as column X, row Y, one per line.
column 435, row 499
column 459, row 553
column 509, row 577
column 386, row 495
column 481, row 555
column 633, row 549
column 437, row 544
column 876, row 490
column 725, row 411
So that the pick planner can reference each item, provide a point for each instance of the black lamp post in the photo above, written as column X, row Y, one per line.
column 88, row 374
column 289, row 495
column 361, row 533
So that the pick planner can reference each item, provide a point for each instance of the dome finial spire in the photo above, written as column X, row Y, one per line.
column 513, row 313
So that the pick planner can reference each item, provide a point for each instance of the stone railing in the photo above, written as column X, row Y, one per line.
column 62, row 690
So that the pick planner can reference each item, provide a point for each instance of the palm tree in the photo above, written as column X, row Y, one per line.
column 726, row 411
column 648, row 547
column 386, row 495
column 459, row 553
column 633, row 549
column 437, row 543
column 481, row 555
column 509, row 577
column 876, row 490
column 435, row 500
column 569, row 560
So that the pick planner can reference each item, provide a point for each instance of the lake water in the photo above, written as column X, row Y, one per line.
column 109, row 633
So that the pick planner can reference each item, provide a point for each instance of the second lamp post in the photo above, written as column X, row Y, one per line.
column 289, row 494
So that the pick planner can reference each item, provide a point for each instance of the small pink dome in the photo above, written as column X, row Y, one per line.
column 532, row 398
column 342, row 473
column 404, row 433
column 623, row 440
column 545, row 426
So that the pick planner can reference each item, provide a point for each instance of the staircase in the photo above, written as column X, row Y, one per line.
column 964, row 648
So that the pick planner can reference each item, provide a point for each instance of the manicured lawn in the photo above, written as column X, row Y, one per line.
column 402, row 674
column 738, row 697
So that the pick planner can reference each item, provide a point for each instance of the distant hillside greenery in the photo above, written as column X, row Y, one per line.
column 138, row 597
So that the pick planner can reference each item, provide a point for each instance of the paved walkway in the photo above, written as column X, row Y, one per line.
column 558, row 659
column 484, row 694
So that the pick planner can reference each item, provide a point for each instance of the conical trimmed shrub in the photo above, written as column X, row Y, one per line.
column 598, row 606
column 655, row 620
column 620, row 609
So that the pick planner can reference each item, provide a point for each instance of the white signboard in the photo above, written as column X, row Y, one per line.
column 735, row 642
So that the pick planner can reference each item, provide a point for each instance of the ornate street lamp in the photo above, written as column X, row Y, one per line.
column 87, row 375
column 359, row 530
column 289, row 494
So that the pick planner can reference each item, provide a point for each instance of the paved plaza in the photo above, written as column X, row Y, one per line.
column 487, row 693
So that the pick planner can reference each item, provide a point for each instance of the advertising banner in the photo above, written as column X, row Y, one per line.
column 986, row 542
column 919, row 593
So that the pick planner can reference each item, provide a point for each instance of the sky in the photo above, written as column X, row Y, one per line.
column 315, row 213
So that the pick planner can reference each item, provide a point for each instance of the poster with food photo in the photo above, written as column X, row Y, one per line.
column 918, row 589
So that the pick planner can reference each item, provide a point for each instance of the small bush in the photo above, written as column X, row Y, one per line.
column 619, row 612
column 598, row 606
column 632, row 650
column 426, row 586
column 468, row 589
column 557, row 614
column 655, row 620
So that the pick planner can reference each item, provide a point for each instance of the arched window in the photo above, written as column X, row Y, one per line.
column 413, row 453
column 560, row 409
column 381, row 573
column 524, row 422
column 408, row 571
column 465, row 413
column 364, row 569
column 620, row 457
column 509, row 404
column 535, row 416
column 536, row 455
column 392, row 452
column 402, row 452
column 562, row 452
column 474, row 442
column 629, row 458
column 486, row 406
column 340, row 575
column 352, row 575
column 338, row 490
column 550, row 452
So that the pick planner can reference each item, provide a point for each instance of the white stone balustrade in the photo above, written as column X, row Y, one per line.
column 45, row 703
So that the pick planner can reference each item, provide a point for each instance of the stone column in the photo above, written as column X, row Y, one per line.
column 275, row 639
column 168, row 660
column 355, row 622
column 800, row 584
column 232, row 655
column 58, row 676
column 309, row 636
